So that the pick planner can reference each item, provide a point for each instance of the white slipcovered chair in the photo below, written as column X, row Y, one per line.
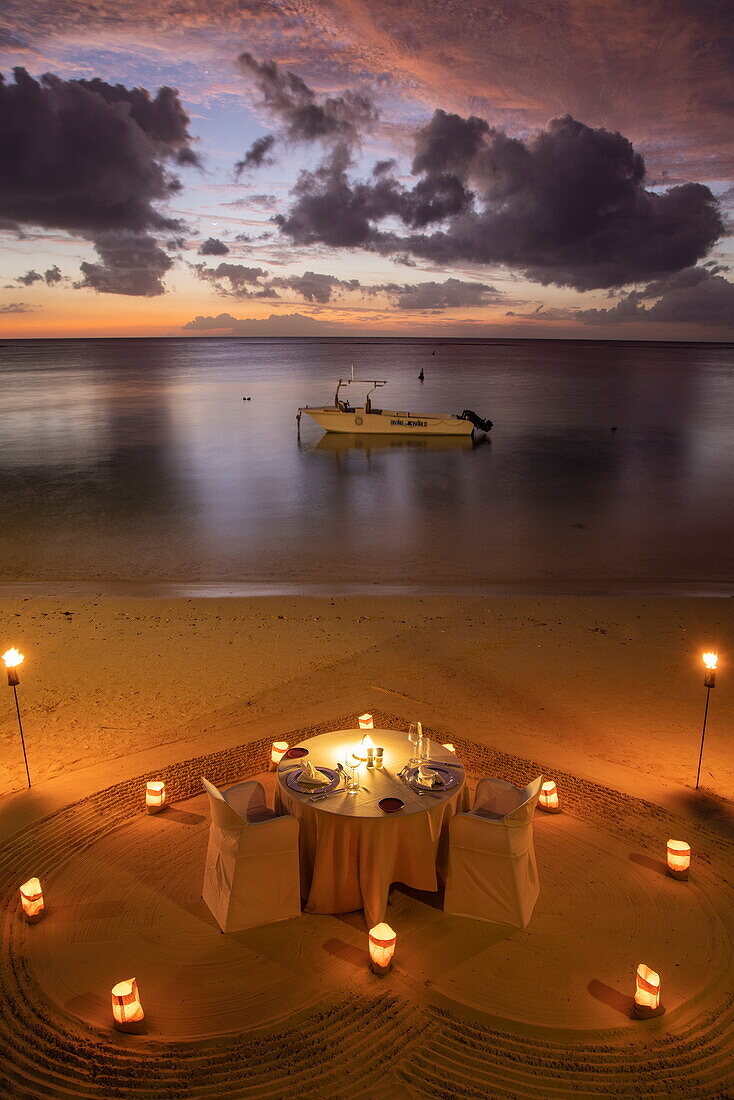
column 492, row 874
column 251, row 875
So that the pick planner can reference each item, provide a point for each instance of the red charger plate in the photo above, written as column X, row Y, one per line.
column 390, row 805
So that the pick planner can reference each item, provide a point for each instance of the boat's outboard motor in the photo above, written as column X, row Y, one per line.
column 483, row 425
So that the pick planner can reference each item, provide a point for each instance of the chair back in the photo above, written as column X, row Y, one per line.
column 223, row 814
column 526, row 809
column 498, row 800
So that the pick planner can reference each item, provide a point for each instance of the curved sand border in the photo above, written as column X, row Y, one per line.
column 469, row 1011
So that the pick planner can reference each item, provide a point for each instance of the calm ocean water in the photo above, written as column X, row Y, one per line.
column 138, row 461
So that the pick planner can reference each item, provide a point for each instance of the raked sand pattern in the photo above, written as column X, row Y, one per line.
column 470, row 1010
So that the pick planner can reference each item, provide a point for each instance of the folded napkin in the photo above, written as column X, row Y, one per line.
column 309, row 777
column 428, row 778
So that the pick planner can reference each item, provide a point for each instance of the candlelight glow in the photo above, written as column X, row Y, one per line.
column 647, row 992
column 155, row 796
column 449, row 746
column 279, row 749
column 12, row 658
column 710, row 660
column 360, row 751
column 548, row 798
column 382, row 948
column 127, row 1010
column 679, row 858
column 365, row 722
column 31, row 900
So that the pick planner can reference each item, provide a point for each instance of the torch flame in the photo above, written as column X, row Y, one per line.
column 710, row 659
column 12, row 658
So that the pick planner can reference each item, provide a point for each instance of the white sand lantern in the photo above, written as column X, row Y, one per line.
column 277, row 752
column 155, row 796
column 548, row 798
column 365, row 722
column 382, row 948
column 31, row 900
column 647, row 994
column 679, row 859
column 449, row 746
column 127, row 1011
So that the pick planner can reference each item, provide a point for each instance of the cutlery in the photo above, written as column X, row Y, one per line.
column 326, row 794
column 443, row 764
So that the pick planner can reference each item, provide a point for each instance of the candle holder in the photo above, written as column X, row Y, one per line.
column 277, row 752
column 679, row 859
column 127, row 1011
column 647, row 994
column 31, row 900
column 548, row 798
column 155, row 796
column 382, row 948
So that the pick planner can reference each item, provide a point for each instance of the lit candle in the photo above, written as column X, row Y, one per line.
column 362, row 751
column 278, row 751
column 31, row 900
column 548, row 798
column 647, row 993
column 365, row 722
column 127, row 1011
column 382, row 948
column 155, row 796
column 679, row 859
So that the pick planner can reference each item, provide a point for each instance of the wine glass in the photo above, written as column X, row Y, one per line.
column 353, row 763
column 415, row 736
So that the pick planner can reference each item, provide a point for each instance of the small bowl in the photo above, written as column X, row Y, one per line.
column 296, row 754
column 390, row 805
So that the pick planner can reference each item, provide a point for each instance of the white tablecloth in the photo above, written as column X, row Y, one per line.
column 350, row 850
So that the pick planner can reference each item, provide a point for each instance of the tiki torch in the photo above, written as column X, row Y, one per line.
column 710, row 660
column 12, row 659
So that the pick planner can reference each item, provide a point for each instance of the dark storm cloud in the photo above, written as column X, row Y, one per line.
column 50, row 277
column 18, row 307
column 29, row 278
column 92, row 159
column 289, row 324
column 256, row 155
column 131, row 263
column 162, row 118
column 305, row 116
column 451, row 294
column 242, row 281
column 237, row 281
column 568, row 206
column 696, row 295
column 213, row 247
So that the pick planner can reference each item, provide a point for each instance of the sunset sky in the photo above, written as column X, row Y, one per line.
column 501, row 168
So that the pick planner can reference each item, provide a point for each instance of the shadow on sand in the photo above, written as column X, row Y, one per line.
column 620, row 1002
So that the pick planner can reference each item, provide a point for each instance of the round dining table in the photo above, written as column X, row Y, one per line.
column 351, row 850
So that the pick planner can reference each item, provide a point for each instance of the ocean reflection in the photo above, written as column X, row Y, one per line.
column 140, row 460
column 343, row 442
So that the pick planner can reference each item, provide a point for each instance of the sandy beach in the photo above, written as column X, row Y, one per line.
column 606, row 695
column 607, row 688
